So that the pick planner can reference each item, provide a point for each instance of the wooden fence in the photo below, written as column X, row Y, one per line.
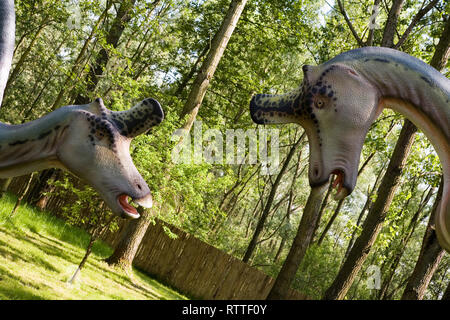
column 197, row 268
column 191, row 265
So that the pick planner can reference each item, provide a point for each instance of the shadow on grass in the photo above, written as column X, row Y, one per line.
column 54, row 238
column 18, row 293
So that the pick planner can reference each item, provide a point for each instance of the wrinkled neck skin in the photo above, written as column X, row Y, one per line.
column 33, row 146
column 441, row 144
column 422, row 95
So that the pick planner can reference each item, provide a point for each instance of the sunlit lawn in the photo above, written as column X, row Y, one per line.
column 39, row 253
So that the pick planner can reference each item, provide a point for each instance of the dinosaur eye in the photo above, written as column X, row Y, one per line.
column 99, row 135
column 319, row 103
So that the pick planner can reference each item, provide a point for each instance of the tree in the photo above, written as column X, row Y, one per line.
column 430, row 255
column 301, row 242
column 123, row 16
column 126, row 249
column 87, row 211
column 268, row 205
column 208, row 68
column 386, row 191
column 375, row 218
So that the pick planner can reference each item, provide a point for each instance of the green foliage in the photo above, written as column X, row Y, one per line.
column 159, row 54
column 85, row 209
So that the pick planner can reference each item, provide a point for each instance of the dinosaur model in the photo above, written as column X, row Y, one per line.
column 89, row 140
column 339, row 100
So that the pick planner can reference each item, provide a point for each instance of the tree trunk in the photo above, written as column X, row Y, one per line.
column 41, row 191
column 259, row 227
column 4, row 184
column 125, row 251
column 98, row 231
column 131, row 237
column 431, row 252
column 19, row 200
column 112, row 39
column 373, row 223
column 204, row 76
column 333, row 217
column 23, row 57
column 398, row 251
column 81, row 55
column 375, row 218
column 391, row 24
column 187, row 77
column 300, row 245
column 83, row 261
column 289, row 208
column 446, row 295
column 429, row 258
column 367, row 206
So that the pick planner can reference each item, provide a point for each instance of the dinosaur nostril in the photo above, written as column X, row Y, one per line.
column 139, row 187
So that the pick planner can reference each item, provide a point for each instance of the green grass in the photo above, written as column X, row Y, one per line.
column 39, row 253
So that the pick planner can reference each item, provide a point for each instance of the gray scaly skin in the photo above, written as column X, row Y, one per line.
column 89, row 140
column 339, row 100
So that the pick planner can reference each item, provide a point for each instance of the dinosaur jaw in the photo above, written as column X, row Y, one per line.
column 339, row 184
column 130, row 212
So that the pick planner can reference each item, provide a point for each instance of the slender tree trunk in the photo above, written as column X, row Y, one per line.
column 366, row 207
column 259, row 227
column 208, row 68
column 375, row 218
column 23, row 57
column 19, row 200
column 431, row 252
column 4, row 184
column 131, row 238
column 446, row 295
column 398, row 251
column 369, row 41
column 98, row 231
column 377, row 214
column 126, row 250
column 187, row 77
column 330, row 222
column 289, row 208
column 442, row 52
column 81, row 55
column 112, row 39
column 322, row 208
column 300, row 245
column 83, row 261
column 391, row 24
column 429, row 258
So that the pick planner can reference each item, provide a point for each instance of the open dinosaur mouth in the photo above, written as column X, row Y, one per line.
column 338, row 184
column 128, row 209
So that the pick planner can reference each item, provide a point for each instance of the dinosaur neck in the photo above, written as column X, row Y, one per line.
column 32, row 146
column 442, row 146
column 419, row 92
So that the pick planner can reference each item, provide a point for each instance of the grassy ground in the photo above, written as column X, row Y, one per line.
column 39, row 253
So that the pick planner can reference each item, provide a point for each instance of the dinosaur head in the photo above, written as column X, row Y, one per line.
column 336, row 106
column 96, row 147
